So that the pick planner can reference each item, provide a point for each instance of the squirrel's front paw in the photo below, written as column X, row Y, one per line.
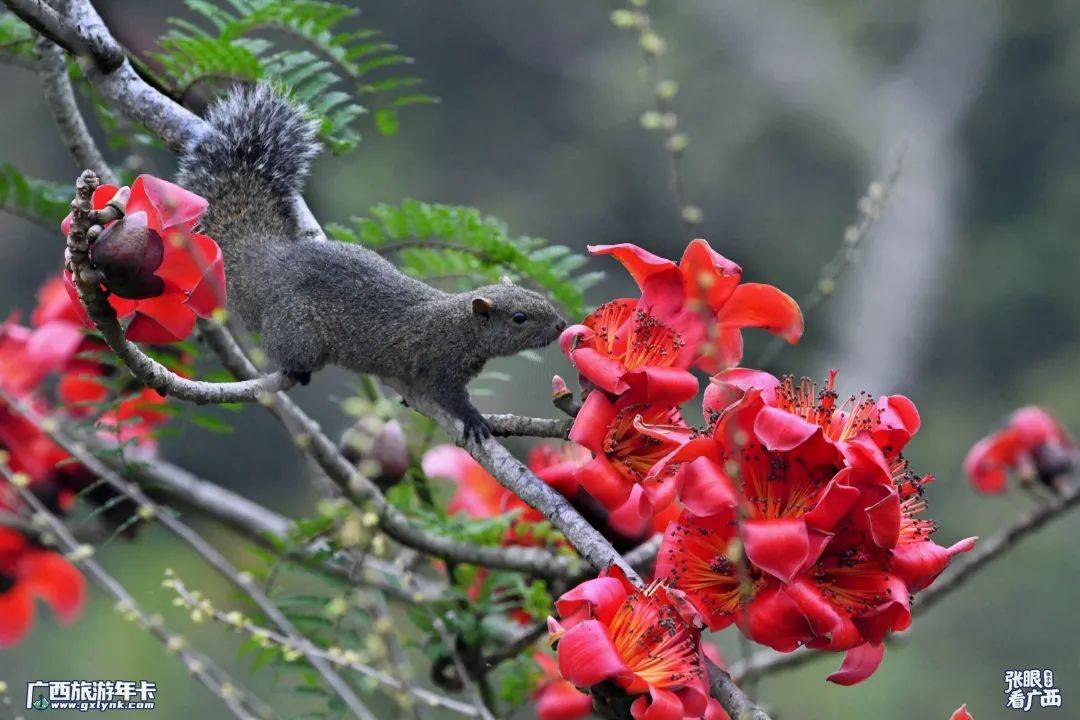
column 476, row 427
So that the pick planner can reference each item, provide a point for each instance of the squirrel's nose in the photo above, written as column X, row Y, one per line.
column 560, row 325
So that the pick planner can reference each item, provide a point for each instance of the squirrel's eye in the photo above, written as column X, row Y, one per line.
column 518, row 317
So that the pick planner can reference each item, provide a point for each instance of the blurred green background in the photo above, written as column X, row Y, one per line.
column 965, row 297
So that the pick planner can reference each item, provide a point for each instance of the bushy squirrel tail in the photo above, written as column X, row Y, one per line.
column 250, row 165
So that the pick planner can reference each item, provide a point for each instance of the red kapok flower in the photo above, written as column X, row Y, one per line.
column 160, row 272
column 961, row 713
column 557, row 699
column 703, row 298
column 1033, row 444
column 627, row 439
column 622, row 348
column 640, row 640
column 802, row 518
column 27, row 573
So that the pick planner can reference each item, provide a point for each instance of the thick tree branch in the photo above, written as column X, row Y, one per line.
column 957, row 574
column 52, row 69
column 87, row 43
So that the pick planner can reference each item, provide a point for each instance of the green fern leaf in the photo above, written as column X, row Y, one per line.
column 455, row 247
column 339, row 60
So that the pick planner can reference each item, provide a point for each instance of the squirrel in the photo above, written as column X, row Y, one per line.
column 319, row 302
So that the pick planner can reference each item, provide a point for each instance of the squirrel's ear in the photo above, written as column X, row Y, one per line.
column 482, row 306
column 505, row 280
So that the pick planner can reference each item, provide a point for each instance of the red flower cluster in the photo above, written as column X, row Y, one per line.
column 802, row 518
column 1033, row 444
column 636, row 355
column 55, row 347
column 961, row 713
column 160, row 272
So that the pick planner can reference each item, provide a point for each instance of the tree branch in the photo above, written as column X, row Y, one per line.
column 53, row 72
column 519, row 480
column 518, row 425
column 215, row 679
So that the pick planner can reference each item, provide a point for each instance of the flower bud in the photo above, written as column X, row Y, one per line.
column 127, row 254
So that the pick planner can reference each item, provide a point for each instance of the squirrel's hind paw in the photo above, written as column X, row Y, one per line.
column 475, row 427
column 301, row 376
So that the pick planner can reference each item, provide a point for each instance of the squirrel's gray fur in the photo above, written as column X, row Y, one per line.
column 318, row 302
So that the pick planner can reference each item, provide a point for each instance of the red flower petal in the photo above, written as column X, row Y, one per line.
column 730, row 386
column 601, row 596
column 560, row 700
column 659, row 385
column 640, row 263
column 774, row 619
column 762, row 306
column 592, row 421
column 167, row 205
column 898, row 421
column 600, row 369
column 859, row 664
column 709, row 275
column 634, row 517
column 209, row 294
column 722, row 352
column 893, row 615
column 161, row 320
column 919, row 563
column 883, row 519
column 660, row 704
column 961, row 714
column 53, row 345
column 781, row 431
column 601, row 480
column 587, row 655
column 834, row 503
column 56, row 581
column 16, row 615
column 780, row 547
column 704, row 488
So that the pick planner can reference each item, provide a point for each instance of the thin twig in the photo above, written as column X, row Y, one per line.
column 342, row 659
column 204, row 669
column 870, row 209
